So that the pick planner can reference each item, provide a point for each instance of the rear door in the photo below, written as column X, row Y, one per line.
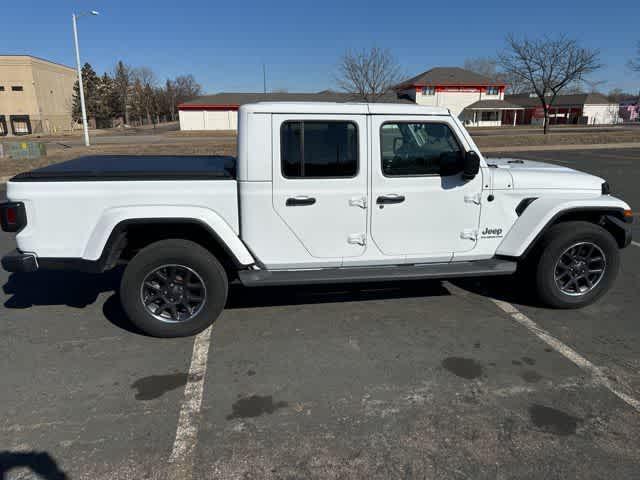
column 320, row 181
column 421, row 205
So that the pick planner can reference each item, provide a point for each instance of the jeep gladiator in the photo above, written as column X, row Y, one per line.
column 319, row 193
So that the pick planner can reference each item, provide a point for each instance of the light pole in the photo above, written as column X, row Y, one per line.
column 85, row 127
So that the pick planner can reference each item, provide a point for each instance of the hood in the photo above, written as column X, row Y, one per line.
column 531, row 175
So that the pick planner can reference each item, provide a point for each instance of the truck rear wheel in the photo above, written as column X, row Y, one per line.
column 173, row 288
column 578, row 263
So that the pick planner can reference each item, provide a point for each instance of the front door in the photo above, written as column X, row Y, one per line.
column 320, row 181
column 421, row 205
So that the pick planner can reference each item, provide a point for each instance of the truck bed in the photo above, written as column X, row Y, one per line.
column 102, row 168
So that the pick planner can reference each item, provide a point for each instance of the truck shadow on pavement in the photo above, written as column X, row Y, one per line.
column 78, row 290
column 242, row 297
column 40, row 463
column 508, row 288
column 74, row 289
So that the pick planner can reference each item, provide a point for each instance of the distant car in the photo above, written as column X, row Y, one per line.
column 319, row 193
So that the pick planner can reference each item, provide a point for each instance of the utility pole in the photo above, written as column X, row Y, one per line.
column 85, row 127
column 264, row 78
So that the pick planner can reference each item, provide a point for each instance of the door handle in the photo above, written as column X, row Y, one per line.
column 300, row 201
column 387, row 199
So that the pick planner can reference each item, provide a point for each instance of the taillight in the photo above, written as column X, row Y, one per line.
column 13, row 216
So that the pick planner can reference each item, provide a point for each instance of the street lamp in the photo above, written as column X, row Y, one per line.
column 74, row 18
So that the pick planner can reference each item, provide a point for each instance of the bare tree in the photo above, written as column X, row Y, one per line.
column 186, row 88
column 368, row 74
column 144, row 86
column 488, row 67
column 617, row 95
column 592, row 86
column 547, row 65
column 514, row 84
column 635, row 63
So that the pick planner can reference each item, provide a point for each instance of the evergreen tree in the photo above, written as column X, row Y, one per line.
column 107, row 99
column 91, row 95
column 132, row 94
column 122, row 79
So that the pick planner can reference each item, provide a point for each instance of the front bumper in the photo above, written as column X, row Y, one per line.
column 17, row 261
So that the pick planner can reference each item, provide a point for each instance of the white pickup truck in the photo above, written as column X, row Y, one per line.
column 319, row 193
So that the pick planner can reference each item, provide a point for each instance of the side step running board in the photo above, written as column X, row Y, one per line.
column 479, row 268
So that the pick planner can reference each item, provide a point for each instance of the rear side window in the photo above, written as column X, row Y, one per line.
column 319, row 149
column 410, row 149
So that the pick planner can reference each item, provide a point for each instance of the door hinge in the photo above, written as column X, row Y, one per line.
column 469, row 234
column 358, row 202
column 357, row 239
column 473, row 198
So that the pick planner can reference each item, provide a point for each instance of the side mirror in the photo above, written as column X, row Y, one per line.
column 471, row 165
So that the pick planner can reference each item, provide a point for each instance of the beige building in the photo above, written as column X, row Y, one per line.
column 35, row 95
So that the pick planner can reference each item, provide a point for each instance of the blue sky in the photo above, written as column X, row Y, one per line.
column 225, row 43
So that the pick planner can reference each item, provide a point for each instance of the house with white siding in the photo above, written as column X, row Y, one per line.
column 476, row 100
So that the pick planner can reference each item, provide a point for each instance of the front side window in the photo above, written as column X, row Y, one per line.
column 319, row 149
column 410, row 149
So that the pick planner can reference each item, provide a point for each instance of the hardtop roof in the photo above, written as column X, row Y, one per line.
column 336, row 108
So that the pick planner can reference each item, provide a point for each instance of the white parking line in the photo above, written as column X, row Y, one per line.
column 184, row 446
column 597, row 373
column 635, row 243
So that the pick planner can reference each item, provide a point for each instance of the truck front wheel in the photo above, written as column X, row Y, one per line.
column 173, row 288
column 578, row 263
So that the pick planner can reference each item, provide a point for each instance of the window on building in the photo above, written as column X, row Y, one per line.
column 428, row 90
column 319, row 149
column 20, row 124
column 489, row 116
column 16, row 88
column 410, row 149
column 493, row 90
column 1, row 88
column 3, row 126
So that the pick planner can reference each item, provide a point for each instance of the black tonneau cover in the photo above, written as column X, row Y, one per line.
column 100, row 168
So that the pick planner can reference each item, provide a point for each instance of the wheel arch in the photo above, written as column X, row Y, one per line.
column 129, row 236
column 540, row 216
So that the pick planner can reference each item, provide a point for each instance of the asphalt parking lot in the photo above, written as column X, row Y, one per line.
column 406, row 380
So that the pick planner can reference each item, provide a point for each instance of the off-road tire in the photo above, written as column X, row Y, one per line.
column 174, row 252
column 554, row 243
